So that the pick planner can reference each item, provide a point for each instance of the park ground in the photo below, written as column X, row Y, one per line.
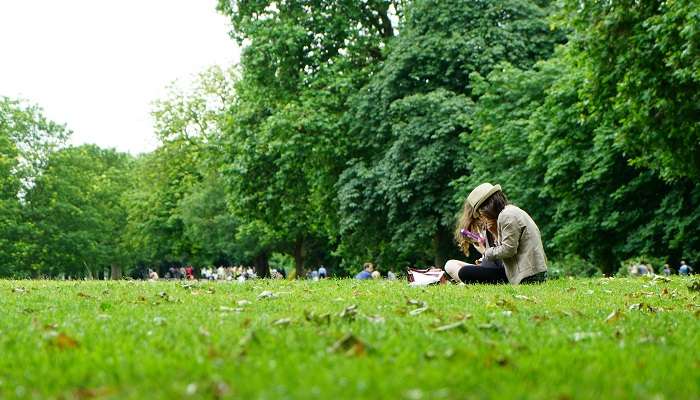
column 337, row 339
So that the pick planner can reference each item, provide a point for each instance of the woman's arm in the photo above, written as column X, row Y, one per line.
column 510, row 239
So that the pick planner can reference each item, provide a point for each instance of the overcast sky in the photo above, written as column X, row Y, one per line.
column 97, row 65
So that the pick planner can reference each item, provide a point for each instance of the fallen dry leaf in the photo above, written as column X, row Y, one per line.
column 282, row 322
column 417, row 303
column 579, row 336
column 266, row 294
column 350, row 345
column 614, row 316
column 375, row 319
column 418, row 311
column 63, row 341
column 459, row 325
column 349, row 313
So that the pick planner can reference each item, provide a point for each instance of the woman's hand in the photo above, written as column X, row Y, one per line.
column 479, row 246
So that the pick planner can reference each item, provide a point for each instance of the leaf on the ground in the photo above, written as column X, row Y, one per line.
column 230, row 309
column 375, row 319
column 642, row 307
column 417, row 303
column 540, row 318
column 220, row 390
column 490, row 327
column 63, row 341
column 203, row 332
column 50, row 327
column 84, row 295
column 19, row 290
column 525, row 298
column 243, row 302
column 160, row 321
column 459, row 325
column 613, row 317
column 91, row 393
column 324, row 319
column 660, row 278
column 571, row 289
column 266, row 294
column 349, row 313
column 282, row 322
column 418, row 311
column 695, row 286
column 507, row 304
column 246, row 341
column 580, row 336
column 449, row 353
column 350, row 345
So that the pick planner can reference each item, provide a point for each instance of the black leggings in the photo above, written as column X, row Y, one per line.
column 487, row 272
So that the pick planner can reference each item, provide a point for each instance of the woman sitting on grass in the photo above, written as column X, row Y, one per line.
column 510, row 243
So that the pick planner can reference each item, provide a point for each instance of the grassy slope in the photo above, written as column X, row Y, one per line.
column 163, row 340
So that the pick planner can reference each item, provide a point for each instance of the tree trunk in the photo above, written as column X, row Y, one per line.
column 299, row 257
column 116, row 273
column 262, row 265
column 441, row 246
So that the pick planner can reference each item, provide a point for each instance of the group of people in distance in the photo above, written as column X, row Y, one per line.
column 642, row 269
column 507, row 238
column 368, row 272
column 173, row 273
column 239, row 273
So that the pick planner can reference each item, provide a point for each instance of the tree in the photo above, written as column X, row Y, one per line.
column 642, row 66
column 285, row 143
column 410, row 116
column 164, row 208
column 27, row 139
column 566, row 168
column 75, row 205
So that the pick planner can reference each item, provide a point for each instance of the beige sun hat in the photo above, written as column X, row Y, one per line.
column 480, row 194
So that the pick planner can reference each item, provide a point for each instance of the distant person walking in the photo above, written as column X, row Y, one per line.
column 506, row 236
column 667, row 270
column 685, row 269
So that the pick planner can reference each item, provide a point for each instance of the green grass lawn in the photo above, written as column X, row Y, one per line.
column 337, row 339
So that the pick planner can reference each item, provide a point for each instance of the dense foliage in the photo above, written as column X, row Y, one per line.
column 353, row 130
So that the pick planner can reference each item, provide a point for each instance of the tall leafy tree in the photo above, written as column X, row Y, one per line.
column 177, row 188
column 562, row 163
column 76, row 207
column 27, row 138
column 285, row 145
column 642, row 66
column 411, row 114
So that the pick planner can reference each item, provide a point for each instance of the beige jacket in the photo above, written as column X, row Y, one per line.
column 520, row 247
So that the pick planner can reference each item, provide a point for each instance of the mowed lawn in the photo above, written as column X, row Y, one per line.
column 340, row 339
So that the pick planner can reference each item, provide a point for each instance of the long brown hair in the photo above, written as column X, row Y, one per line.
column 465, row 221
